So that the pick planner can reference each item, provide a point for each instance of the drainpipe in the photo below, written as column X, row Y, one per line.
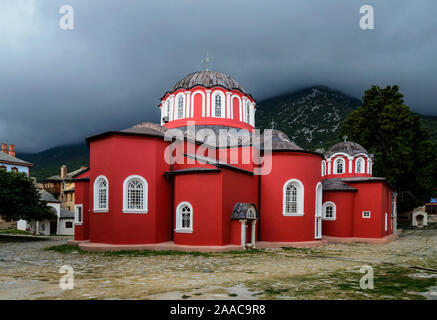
column 259, row 201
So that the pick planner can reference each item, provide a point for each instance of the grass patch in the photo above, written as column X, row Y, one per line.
column 185, row 297
column 14, row 231
column 300, row 250
column 67, row 248
column 232, row 295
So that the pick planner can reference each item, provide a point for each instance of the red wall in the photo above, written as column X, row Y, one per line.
column 343, row 225
column 274, row 225
column 118, row 157
column 81, row 196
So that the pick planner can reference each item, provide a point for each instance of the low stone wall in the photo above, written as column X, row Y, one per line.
column 7, row 224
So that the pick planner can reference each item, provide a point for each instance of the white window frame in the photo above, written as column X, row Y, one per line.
column 145, row 195
column 364, row 214
column 176, row 103
column 76, row 215
column 179, row 228
column 223, row 102
column 323, row 168
column 334, row 210
column 300, row 197
column 362, row 165
column 96, row 195
column 335, row 165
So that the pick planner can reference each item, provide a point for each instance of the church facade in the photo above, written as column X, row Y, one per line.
column 204, row 177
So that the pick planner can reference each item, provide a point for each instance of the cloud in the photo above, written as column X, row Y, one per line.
column 58, row 86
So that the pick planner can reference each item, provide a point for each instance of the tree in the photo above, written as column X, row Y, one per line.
column 19, row 199
column 402, row 147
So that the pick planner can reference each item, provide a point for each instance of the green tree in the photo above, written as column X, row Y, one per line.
column 404, row 153
column 19, row 199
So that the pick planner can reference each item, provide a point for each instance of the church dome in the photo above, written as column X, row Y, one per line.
column 348, row 147
column 208, row 79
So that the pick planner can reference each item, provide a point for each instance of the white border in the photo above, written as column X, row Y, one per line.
column 100, row 210
column 179, row 228
column 76, row 221
column 300, row 197
column 334, row 210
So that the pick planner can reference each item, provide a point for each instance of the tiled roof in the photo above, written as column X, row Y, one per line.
column 348, row 147
column 65, row 214
column 70, row 175
column 47, row 196
column 336, row 184
column 5, row 157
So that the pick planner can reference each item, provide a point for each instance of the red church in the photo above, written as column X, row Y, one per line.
column 197, row 181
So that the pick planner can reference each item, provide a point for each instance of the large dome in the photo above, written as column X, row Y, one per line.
column 348, row 147
column 208, row 79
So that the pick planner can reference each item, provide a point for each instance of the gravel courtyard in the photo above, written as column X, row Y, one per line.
column 403, row 269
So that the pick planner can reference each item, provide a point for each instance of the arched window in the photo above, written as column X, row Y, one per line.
column 184, row 218
column 359, row 165
column 218, row 106
column 339, row 166
column 180, row 107
column 293, row 198
column 135, row 195
column 323, row 168
column 101, row 194
column 248, row 112
column 168, row 109
column 329, row 211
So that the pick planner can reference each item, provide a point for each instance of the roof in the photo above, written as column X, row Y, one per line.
column 70, row 175
column 192, row 170
column 65, row 214
column 336, row 184
column 208, row 79
column 47, row 196
column 148, row 128
column 6, row 158
column 241, row 211
column 348, row 147
column 280, row 141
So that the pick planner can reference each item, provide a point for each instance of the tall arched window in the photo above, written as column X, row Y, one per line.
column 359, row 165
column 218, row 106
column 339, row 166
column 101, row 194
column 293, row 198
column 184, row 218
column 248, row 112
column 135, row 195
column 180, row 107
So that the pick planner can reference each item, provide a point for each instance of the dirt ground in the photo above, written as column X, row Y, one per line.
column 403, row 269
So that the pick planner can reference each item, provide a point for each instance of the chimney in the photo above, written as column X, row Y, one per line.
column 4, row 148
column 63, row 171
column 12, row 150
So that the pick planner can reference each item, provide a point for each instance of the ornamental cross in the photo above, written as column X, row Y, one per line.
column 345, row 138
column 207, row 62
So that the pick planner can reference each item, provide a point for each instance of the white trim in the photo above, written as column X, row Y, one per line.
column 335, row 165
column 386, row 222
column 223, row 103
column 208, row 102
column 300, row 197
column 188, row 106
column 76, row 220
column 323, row 168
column 364, row 217
column 95, row 195
column 179, row 228
column 145, row 195
column 203, row 102
column 334, row 210
column 228, row 105
column 318, row 212
column 329, row 162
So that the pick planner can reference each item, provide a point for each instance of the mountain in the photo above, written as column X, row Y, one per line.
column 310, row 117
column 48, row 163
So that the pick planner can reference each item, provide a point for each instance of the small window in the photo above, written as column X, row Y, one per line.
column 78, row 215
column 184, row 218
column 329, row 211
column 359, row 167
column 339, row 166
column 68, row 225
column 218, row 106
column 180, row 107
column 101, row 194
column 366, row 214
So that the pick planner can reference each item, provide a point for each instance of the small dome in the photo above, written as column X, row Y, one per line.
column 208, row 79
column 348, row 147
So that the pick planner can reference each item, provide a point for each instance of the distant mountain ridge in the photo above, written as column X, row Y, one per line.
column 310, row 117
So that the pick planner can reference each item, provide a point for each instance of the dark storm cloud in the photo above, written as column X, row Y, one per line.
column 58, row 86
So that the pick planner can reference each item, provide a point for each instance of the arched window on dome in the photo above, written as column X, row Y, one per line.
column 359, row 165
column 248, row 112
column 339, row 166
column 218, row 106
column 180, row 107
column 101, row 194
column 184, row 218
column 293, row 198
column 135, row 195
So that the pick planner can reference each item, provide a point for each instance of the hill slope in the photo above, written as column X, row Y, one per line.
column 48, row 163
column 310, row 117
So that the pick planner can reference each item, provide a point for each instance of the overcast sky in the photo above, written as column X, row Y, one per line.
column 108, row 73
